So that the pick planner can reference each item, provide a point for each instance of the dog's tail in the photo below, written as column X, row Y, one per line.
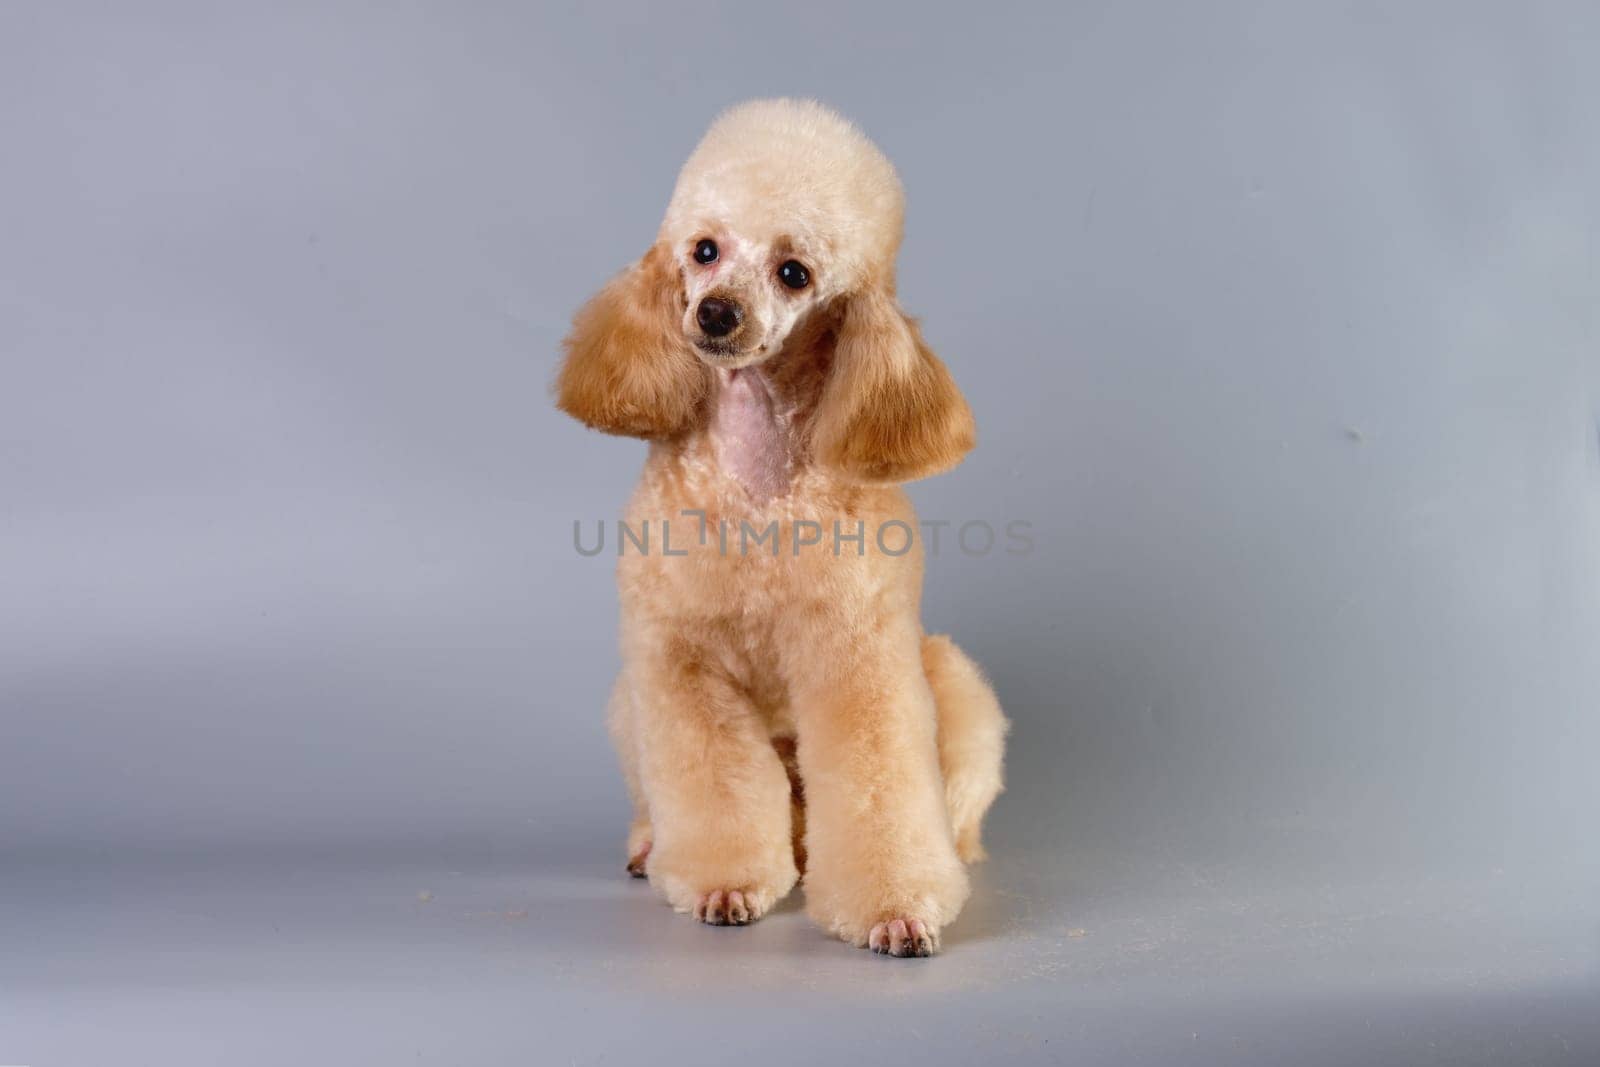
column 972, row 738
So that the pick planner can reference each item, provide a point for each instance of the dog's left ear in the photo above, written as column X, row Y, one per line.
column 628, row 369
column 890, row 411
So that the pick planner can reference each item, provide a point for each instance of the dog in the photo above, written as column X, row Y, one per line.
column 783, row 711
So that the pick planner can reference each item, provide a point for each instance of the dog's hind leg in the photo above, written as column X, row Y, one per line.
column 972, row 732
column 620, row 723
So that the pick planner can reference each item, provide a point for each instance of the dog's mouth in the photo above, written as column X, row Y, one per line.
column 713, row 347
column 724, row 352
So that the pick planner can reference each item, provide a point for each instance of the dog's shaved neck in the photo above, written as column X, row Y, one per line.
column 750, row 433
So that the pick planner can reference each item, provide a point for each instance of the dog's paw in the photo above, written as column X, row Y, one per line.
column 903, row 937
column 640, row 838
column 720, row 890
column 732, row 907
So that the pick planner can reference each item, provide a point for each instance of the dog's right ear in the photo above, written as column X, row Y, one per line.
column 629, row 369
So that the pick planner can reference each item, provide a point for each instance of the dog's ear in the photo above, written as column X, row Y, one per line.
column 628, row 368
column 890, row 411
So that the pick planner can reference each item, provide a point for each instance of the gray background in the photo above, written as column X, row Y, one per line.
column 1279, row 321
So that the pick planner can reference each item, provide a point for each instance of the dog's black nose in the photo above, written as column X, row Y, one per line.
column 718, row 317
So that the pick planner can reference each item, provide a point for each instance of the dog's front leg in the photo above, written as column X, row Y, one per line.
column 881, row 868
column 718, row 793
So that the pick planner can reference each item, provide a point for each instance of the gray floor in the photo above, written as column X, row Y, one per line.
column 1121, row 956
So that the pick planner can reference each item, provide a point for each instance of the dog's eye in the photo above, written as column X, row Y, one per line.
column 705, row 251
column 794, row 274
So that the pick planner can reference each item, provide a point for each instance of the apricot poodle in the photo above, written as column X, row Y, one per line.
column 780, row 708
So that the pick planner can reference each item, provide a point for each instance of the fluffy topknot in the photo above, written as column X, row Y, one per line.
column 793, row 166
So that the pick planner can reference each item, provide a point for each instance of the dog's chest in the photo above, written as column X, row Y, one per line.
column 750, row 435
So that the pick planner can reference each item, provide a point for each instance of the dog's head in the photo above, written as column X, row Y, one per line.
column 783, row 207
column 785, row 213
